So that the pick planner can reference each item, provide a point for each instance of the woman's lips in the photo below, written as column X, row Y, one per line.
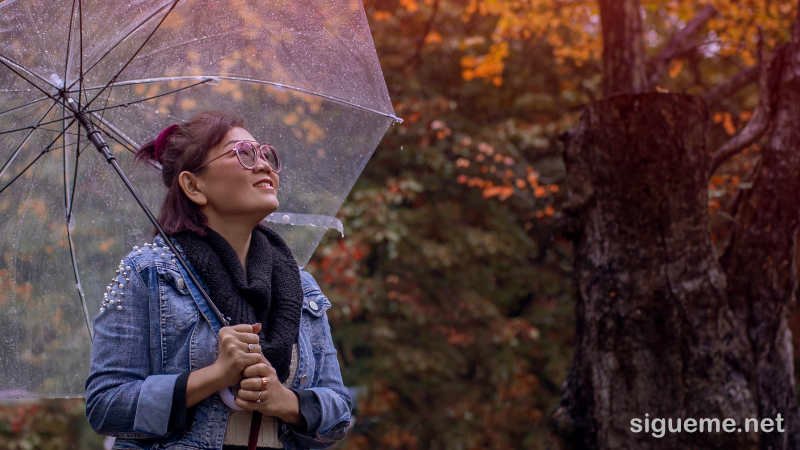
column 265, row 184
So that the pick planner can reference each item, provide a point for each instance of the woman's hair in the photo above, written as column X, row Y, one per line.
column 184, row 147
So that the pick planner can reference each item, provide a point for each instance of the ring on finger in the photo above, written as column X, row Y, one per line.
column 264, row 383
column 258, row 400
column 251, row 347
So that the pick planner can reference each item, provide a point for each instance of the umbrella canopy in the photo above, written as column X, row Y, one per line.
column 302, row 73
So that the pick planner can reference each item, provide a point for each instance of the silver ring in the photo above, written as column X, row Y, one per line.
column 250, row 348
column 258, row 400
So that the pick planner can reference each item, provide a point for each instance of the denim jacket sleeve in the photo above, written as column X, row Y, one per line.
column 334, row 398
column 124, row 397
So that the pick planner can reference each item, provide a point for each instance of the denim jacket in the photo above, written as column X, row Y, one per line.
column 154, row 325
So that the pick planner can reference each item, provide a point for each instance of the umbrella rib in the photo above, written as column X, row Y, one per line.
column 67, row 205
column 31, row 127
column 108, row 97
column 145, row 99
column 184, row 43
column 16, row 151
column 74, row 177
column 135, row 53
column 33, row 102
column 131, row 144
column 250, row 80
column 69, row 196
column 125, row 104
column 78, row 285
column 116, row 44
column 80, row 56
column 44, row 151
column 116, row 139
column 69, row 133
column 8, row 62
column 69, row 41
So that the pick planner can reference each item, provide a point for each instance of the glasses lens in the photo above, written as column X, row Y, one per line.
column 246, row 152
column 268, row 153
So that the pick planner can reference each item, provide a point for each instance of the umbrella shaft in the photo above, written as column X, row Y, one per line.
column 94, row 135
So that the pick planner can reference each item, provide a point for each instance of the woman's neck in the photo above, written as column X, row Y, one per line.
column 238, row 236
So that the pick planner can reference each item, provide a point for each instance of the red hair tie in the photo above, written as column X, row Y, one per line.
column 161, row 141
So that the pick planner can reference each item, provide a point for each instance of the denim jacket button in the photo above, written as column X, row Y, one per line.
column 314, row 306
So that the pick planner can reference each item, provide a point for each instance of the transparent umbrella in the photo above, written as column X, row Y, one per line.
column 303, row 73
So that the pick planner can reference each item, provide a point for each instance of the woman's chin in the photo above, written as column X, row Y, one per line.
column 270, row 208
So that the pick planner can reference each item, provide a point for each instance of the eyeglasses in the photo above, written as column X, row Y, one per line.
column 248, row 151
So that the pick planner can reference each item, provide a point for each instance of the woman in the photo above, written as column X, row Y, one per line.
column 165, row 372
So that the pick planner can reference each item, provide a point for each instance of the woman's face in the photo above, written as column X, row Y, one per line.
column 232, row 192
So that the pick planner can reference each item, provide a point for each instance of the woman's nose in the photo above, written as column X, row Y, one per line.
column 262, row 164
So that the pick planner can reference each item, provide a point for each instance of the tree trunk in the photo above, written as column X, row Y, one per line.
column 761, row 261
column 623, row 47
column 657, row 337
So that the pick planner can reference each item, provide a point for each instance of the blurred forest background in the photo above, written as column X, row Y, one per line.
column 453, row 289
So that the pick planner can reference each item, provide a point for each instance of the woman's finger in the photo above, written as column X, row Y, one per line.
column 251, row 396
column 250, row 347
column 235, row 338
column 260, row 369
column 244, row 328
column 256, row 383
column 247, row 338
column 245, row 405
column 248, row 360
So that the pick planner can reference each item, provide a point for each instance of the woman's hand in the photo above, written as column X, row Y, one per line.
column 261, row 390
column 238, row 349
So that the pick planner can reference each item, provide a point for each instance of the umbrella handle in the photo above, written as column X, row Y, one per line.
column 255, row 422
column 227, row 397
column 255, row 427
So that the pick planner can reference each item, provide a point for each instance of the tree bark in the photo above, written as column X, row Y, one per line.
column 657, row 336
column 623, row 47
column 761, row 261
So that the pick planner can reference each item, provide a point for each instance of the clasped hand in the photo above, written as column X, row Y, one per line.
column 241, row 362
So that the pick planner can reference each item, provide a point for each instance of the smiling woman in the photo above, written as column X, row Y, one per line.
column 161, row 353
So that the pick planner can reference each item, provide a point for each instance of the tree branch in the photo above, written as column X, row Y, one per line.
column 732, row 85
column 679, row 43
column 416, row 58
column 769, row 82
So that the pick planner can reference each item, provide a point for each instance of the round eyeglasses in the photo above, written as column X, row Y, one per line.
column 247, row 153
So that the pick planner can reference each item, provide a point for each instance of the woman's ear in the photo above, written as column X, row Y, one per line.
column 191, row 186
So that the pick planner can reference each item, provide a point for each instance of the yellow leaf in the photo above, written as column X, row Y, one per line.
column 290, row 119
column 675, row 68
column 188, row 104
column 105, row 245
column 728, row 124
column 382, row 16
column 409, row 5
column 433, row 38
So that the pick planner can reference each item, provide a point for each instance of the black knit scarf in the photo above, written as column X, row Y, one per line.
column 270, row 293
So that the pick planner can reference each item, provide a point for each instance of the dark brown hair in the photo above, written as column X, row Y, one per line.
column 185, row 148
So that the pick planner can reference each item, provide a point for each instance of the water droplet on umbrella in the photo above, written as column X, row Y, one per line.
column 56, row 80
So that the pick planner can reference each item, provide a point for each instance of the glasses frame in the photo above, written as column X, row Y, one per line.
column 260, row 150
